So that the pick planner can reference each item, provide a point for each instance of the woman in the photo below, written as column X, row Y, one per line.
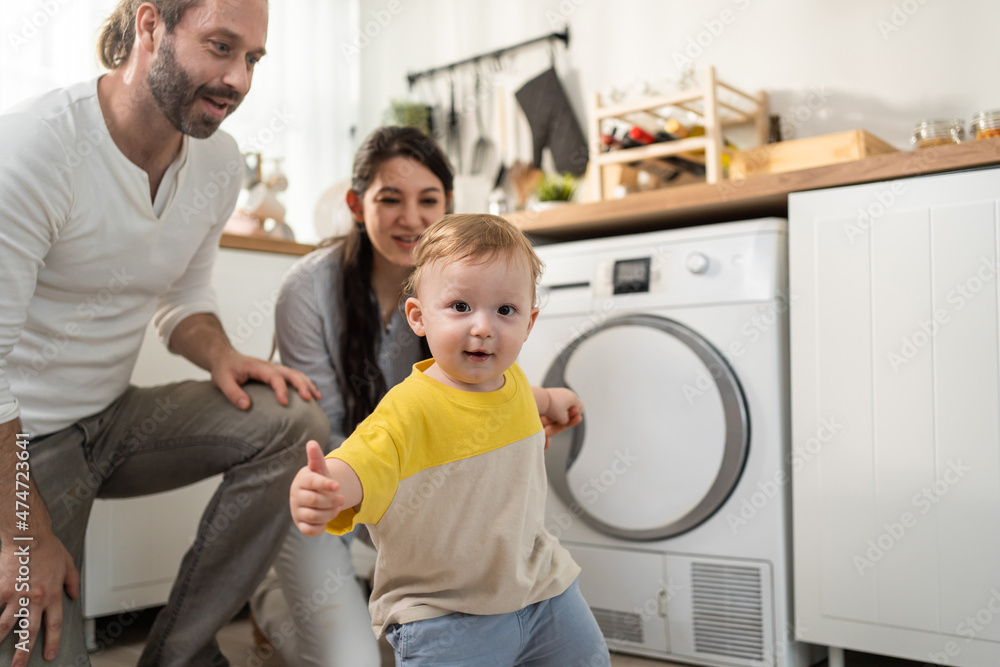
column 338, row 320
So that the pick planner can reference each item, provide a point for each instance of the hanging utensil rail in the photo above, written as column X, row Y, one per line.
column 562, row 36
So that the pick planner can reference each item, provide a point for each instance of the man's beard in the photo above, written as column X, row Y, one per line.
column 176, row 96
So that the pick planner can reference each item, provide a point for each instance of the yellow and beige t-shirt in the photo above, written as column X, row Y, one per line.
column 454, row 495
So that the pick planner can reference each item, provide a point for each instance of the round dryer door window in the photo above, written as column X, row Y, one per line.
column 665, row 430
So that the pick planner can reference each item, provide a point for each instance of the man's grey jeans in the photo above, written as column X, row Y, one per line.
column 160, row 438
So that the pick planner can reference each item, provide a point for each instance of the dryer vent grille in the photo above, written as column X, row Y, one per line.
column 727, row 610
column 618, row 626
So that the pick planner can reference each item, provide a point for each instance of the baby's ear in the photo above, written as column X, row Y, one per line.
column 415, row 315
column 531, row 322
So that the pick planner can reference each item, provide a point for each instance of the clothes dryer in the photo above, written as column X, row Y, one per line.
column 673, row 493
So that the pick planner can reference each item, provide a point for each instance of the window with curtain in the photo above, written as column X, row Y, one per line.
column 299, row 112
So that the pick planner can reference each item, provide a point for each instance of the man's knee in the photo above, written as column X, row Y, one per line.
column 307, row 419
column 289, row 426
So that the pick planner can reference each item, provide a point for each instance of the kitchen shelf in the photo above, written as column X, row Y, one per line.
column 756, row 196
column 719, row 104
column 264, row 244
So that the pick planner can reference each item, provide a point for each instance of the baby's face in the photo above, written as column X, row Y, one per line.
column 476, row 315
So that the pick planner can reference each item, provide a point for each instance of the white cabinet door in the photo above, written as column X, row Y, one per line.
column 134, row 546
column 896, row 417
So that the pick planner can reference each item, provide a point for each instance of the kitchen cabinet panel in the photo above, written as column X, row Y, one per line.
column 134, row 546
column 967, row 492
column 902, row 426
column 842, row 325
column 895, row 337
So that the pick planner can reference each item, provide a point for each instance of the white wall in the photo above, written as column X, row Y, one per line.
column 937, row 63
column 882, row 65
column 300, row 109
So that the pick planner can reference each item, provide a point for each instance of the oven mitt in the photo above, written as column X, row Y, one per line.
column 553, row 123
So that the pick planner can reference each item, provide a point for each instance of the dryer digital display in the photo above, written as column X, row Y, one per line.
column 631, row 275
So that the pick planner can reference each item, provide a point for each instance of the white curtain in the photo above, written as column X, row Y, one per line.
column 299, row 113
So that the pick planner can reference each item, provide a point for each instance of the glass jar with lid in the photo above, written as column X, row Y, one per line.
column 985, row 124
column 938, row 133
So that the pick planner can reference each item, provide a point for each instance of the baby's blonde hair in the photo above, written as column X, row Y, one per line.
column 476, row 236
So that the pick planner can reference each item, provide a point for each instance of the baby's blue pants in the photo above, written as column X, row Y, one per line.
column 559, row 632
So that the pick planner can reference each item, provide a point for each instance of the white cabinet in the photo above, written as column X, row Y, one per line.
column 895, row 361
column 134, row 546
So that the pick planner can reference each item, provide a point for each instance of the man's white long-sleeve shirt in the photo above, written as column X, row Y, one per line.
column 87, row 259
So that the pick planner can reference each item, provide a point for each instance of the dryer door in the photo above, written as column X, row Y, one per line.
column 665, row 430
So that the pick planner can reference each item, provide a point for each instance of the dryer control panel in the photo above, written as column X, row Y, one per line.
column 733, row 262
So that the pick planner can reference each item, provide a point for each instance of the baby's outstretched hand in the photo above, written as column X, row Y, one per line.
column 314, row 497
column 564, row 410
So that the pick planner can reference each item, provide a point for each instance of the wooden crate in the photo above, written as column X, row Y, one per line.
column 806, row 153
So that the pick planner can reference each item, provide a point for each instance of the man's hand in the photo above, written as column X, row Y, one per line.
column 52, row 570
column 314, row 497
column 231, row 369
column 200, row 339
column 47, row 562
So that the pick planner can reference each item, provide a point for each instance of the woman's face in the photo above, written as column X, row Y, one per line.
column 403, row 200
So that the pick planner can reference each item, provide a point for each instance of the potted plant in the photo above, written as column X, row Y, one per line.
column 555, row 190
column 412, row 114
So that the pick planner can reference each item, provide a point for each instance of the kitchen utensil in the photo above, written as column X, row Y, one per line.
column 454, row 141
column 525, row 178
column 481, row 149
column 498, row 180
column 553, row 123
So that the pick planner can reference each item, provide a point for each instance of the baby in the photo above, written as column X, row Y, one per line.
column 448, row 472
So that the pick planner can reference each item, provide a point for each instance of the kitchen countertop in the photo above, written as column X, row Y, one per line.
column 752, row 197
column 701, row 203
column 264, row 244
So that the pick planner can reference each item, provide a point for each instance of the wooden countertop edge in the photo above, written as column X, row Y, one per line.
column 766, row 194
column 258, row 244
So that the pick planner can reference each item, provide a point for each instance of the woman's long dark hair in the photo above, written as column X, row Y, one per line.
column 361, row 317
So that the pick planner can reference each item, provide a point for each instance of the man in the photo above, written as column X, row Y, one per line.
column 114, row 193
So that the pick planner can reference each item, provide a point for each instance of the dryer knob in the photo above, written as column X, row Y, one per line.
column 697, row 263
